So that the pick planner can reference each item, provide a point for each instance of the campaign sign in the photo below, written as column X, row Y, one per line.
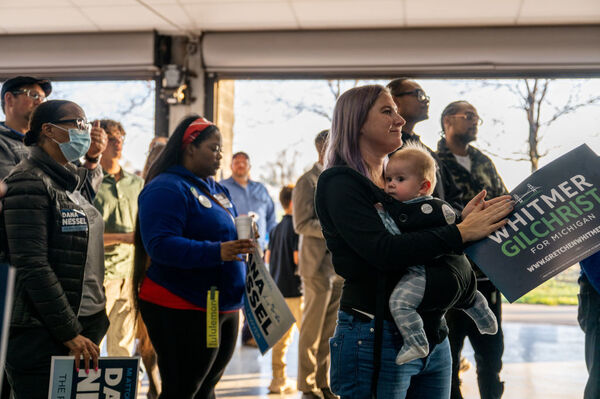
column 117, row 377
column 265, row 308
column 555, row 224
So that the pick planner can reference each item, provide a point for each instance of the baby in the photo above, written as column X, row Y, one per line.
column 410, row 178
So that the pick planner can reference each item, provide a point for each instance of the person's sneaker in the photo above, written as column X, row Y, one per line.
column 310, row 395
column 327, row 394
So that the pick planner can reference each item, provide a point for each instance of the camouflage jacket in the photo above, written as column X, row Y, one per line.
column 483, row 175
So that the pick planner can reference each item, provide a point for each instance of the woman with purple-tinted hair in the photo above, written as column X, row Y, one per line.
column 366, row 128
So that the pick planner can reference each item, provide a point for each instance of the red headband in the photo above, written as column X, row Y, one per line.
column 193, row 130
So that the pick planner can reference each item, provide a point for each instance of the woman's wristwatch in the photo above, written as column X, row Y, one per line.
column 90, row 159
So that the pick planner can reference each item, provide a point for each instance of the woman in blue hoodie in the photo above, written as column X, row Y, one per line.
column 190, row 295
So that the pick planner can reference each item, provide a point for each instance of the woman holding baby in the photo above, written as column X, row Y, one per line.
column 366, row 128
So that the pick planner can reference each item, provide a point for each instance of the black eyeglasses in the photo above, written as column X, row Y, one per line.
column 420, row 94
column 31, row 94
column 470, row 117
column 81, row 123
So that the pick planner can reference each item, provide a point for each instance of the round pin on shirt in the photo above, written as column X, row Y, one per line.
column 426, row 209
column 205, row 202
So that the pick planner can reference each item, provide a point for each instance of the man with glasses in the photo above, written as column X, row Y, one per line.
column 20, row 96
column 472, row 172
column 117, row 201
column 413, row 105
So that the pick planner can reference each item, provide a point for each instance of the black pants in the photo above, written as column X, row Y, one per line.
column 30, row 352
column 588, row 316
column 188, row 369
column 488, row 348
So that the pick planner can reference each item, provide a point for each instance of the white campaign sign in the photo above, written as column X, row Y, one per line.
column 264, row 306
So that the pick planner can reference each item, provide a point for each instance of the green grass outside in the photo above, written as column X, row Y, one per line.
column 552, row 292
column 560, row 290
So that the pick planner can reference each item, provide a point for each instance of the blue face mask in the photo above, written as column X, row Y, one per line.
column 78, row 144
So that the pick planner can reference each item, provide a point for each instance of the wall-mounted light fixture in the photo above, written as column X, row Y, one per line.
column 175, row 87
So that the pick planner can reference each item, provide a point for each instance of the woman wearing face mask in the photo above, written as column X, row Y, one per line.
column 54, row 237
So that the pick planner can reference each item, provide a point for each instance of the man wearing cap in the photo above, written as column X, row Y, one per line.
column 20, row 96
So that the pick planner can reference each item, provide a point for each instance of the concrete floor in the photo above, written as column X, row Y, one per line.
column 543, row 359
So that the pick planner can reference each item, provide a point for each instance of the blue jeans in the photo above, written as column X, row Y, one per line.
column 352, row 364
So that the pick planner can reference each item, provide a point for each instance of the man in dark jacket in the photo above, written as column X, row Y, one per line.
column 413, row 105
column 473, row 171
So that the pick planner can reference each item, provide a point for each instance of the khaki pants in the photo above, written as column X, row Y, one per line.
column 280, row 348
column 119, row 308
column 321, row 302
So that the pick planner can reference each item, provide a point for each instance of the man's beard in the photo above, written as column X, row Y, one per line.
column 468, row 137
column 423, row 117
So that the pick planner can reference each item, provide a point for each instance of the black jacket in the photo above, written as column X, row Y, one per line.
column 450, row 279
column 362, row 249
column 50, row 262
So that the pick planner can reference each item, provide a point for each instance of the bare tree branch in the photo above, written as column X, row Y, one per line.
column 504, row 157
column 540, row 101
column 135, row 102
column 282, row 170
column 533, row 97
column 299, row 107
column 568, row 108
column 335, row 87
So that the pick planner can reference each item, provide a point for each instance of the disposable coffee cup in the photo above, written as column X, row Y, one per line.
column 243, row 225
